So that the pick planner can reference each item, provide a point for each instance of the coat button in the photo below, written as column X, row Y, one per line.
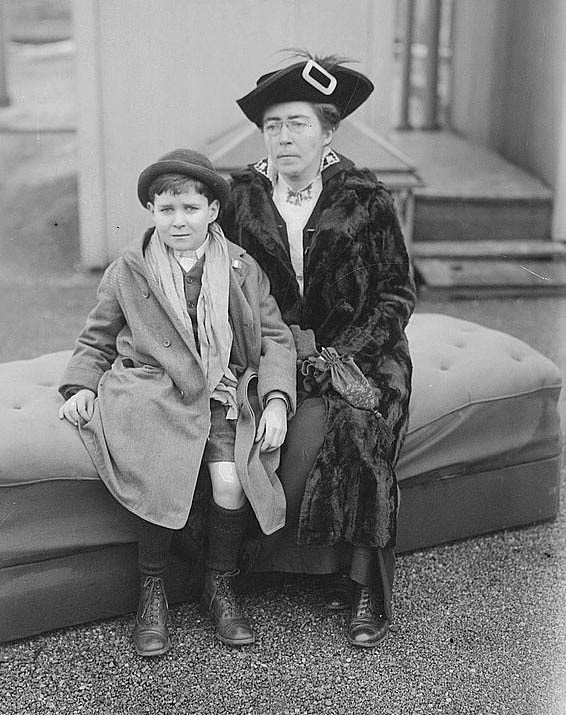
column 191, row 304
column 145, row 293
column 189, row 279
column 166, row 343
column 181, row 394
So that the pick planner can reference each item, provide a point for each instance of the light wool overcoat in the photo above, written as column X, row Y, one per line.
column 152, row 412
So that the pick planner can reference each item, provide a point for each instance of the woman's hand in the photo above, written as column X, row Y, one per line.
column 272, row 426
column 79, row 407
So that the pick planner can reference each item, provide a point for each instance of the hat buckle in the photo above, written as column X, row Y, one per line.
column 314, row 82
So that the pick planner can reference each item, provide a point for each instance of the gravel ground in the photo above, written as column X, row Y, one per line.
column 480, row 625
column 479, row 629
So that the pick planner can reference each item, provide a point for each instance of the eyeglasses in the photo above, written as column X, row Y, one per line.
column 274, row 126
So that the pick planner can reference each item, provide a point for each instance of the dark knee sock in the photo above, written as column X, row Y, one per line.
column 154, row 544
column 226, row 530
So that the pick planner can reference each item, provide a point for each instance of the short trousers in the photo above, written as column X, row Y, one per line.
column 222, row 436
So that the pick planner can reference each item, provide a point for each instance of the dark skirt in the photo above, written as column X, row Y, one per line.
column 280, row 551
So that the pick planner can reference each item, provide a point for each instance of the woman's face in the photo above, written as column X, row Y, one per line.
column 295, row 140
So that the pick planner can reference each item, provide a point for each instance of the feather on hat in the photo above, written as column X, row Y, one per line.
column 313, row 79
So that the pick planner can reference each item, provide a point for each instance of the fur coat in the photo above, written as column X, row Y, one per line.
column 358, row 297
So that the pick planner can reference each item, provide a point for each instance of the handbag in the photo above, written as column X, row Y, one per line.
column 344, row 376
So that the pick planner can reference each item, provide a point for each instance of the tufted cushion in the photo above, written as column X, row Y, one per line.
column 35, row 445
column 477, row 394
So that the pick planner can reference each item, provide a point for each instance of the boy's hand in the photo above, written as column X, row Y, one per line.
column 79, row 408
column 272, row 426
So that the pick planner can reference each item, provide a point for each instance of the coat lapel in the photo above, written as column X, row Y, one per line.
column 263, row 222
column 187, row 336
column 147, row 283
column 241, row 314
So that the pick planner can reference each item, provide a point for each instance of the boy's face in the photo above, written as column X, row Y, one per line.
column 182, row 220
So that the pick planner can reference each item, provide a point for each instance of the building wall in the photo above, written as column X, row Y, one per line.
column 509, row 63
column 474, row 53
column 154, row 76
column 532, row 105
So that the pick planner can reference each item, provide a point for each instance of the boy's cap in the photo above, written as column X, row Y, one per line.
column 187, row 162
column 307, row 81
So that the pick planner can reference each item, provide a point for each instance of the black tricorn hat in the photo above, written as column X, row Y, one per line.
column 189, row 163
column 307, row 81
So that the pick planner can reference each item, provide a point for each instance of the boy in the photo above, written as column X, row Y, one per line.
column 184, row 342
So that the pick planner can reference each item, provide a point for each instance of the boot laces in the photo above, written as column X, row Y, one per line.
column 224, row 592
column 367, row 606
column 155, row 599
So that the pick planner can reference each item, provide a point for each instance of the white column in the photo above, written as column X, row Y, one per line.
column 559, row 214
column 92, row 185
column 4, row 96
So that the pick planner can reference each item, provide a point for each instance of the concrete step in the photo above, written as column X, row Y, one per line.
column 487, row 268
column 502, row 250
column 471, row 193
column 440, row 218
column 482, row 277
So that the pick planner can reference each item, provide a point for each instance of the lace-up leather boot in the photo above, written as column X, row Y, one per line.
column 218, row 597
column 151, row 636
column 369, row 624
column 338, row 590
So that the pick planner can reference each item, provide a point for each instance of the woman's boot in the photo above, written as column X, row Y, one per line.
column 338, row 590
column 226, row 530
column 369, row 624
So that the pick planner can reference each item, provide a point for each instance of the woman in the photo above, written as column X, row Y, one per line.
column 327, row 235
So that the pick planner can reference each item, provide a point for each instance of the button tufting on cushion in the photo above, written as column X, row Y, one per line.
column 499, row 395
column 35, row 445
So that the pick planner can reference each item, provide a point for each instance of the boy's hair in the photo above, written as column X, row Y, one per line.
column 177, row 184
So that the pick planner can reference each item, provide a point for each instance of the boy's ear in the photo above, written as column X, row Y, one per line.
column 214, row 209
column 149, row 206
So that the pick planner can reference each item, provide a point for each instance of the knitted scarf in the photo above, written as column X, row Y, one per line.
column 214, row 331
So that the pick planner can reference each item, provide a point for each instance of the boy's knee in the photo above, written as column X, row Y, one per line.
column 226, row 486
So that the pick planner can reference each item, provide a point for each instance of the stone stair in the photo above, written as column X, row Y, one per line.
column 482, row 268
column 481, row 224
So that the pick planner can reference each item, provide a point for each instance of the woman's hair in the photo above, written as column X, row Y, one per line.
column 328, row 115
column 178, row 184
